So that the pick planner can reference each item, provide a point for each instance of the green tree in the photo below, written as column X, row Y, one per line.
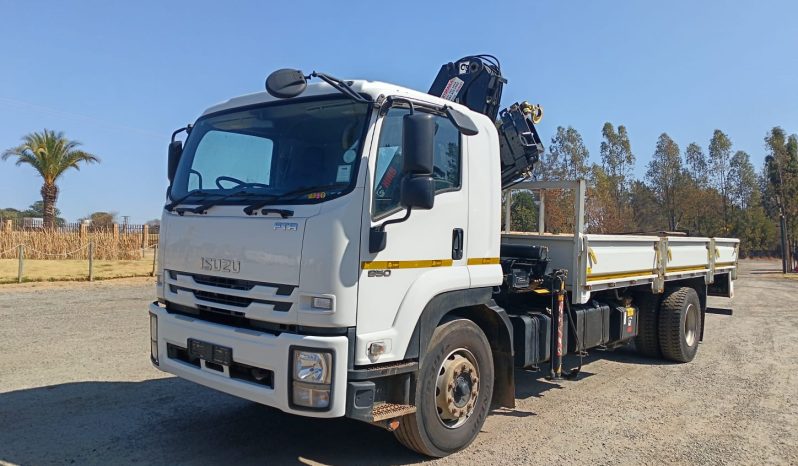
column 50, row 154
column 613, row 178
column 696, row 163
column 37, row 210
column 102, row 219
column 567, row 157
column 646, row 210
column 666, row 179
column 720, row 153
column 523, row 211
column 743, row 182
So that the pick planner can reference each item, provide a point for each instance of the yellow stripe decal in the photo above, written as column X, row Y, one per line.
column 420, row 264
column 483, row 261
column 724, row 264
column 609, row 276
column 685, row 269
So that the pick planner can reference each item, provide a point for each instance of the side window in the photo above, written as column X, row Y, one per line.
column 388, row 176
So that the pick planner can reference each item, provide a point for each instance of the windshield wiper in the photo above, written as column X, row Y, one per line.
column 240, row 189
column 290, row 195
column 341, row 86
column 171, row 206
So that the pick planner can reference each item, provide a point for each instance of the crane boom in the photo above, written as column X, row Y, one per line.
column 476, row 82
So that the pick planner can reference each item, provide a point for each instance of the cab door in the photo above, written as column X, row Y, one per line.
column 424, row 255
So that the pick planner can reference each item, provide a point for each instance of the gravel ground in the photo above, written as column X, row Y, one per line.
column 76, row 386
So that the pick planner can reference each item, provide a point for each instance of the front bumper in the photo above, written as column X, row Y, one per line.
column 252, row 348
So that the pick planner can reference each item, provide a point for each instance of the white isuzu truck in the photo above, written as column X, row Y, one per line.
column 336, row 249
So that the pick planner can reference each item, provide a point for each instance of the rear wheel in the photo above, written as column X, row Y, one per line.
column 647, row 340
column 679, row 324
column 453, row 391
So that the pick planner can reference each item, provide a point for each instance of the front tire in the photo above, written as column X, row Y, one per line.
column 453, row 391
column 679, row 324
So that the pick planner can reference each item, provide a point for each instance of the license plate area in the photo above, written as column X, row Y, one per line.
column 210, row 352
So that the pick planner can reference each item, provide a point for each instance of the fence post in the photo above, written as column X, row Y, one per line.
column 154, row 259
column 21, row 255
column 8, row 226
column 91, row 261
column 83, row 230
column 115, row 242
column 145, row 236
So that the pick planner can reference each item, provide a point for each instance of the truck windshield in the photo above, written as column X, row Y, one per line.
column 310, row 147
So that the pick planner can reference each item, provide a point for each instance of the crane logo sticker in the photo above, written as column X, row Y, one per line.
column 463, row 68
column 213, row 264
column 452, row 89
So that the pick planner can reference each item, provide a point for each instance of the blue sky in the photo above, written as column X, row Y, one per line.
column 120, row 76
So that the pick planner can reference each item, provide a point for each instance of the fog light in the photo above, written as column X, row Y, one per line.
column 325, row 304
column 311, row 396
column 154, row 338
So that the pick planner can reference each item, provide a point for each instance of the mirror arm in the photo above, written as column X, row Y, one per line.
column 378, row 236
column 186, row 128
column 382, row 226
column 409, row 102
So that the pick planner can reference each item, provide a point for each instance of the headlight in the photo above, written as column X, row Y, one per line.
column 312, row 375
column 312, row 367
column 154, row 338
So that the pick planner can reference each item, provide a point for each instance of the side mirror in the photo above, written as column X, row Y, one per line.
column 418, row 192
column 418, row 132
column 418, row 187
column 175, row 151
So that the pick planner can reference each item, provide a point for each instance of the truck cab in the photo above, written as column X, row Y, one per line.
column 285, row 303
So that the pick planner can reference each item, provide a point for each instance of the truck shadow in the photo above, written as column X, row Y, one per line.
column 170, row 421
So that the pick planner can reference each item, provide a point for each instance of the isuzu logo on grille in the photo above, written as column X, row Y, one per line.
column 286, row 226
column 220, row 265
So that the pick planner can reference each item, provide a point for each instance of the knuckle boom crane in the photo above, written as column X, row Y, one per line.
column 476, row 82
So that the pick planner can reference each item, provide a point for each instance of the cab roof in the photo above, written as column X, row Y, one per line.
column 371, row 88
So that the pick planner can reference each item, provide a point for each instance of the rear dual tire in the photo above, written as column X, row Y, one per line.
column 669, row 327
column 679, row 324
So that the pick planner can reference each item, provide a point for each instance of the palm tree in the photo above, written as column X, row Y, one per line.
column 50, row 154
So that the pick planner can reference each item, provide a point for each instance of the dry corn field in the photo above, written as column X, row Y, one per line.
column 43, row 244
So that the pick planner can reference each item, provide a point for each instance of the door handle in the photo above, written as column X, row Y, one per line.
column 457, row 243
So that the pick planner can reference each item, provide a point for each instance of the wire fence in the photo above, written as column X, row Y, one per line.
column 46, row 244
column 84, row 255
column 67, row 253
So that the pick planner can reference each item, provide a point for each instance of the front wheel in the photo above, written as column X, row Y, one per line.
column 453, row 391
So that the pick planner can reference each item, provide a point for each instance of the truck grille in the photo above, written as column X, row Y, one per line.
column 235, row 283
column 229, row 293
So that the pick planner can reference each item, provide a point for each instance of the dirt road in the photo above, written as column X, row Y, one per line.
column 76, row 386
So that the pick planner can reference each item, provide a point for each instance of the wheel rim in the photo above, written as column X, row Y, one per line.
column 457, row 388
column 691, row 325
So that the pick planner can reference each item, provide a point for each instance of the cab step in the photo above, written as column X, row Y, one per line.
column 390, row 410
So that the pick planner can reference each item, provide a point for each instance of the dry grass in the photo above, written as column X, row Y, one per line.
column 73, row 270
column 69, row 245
